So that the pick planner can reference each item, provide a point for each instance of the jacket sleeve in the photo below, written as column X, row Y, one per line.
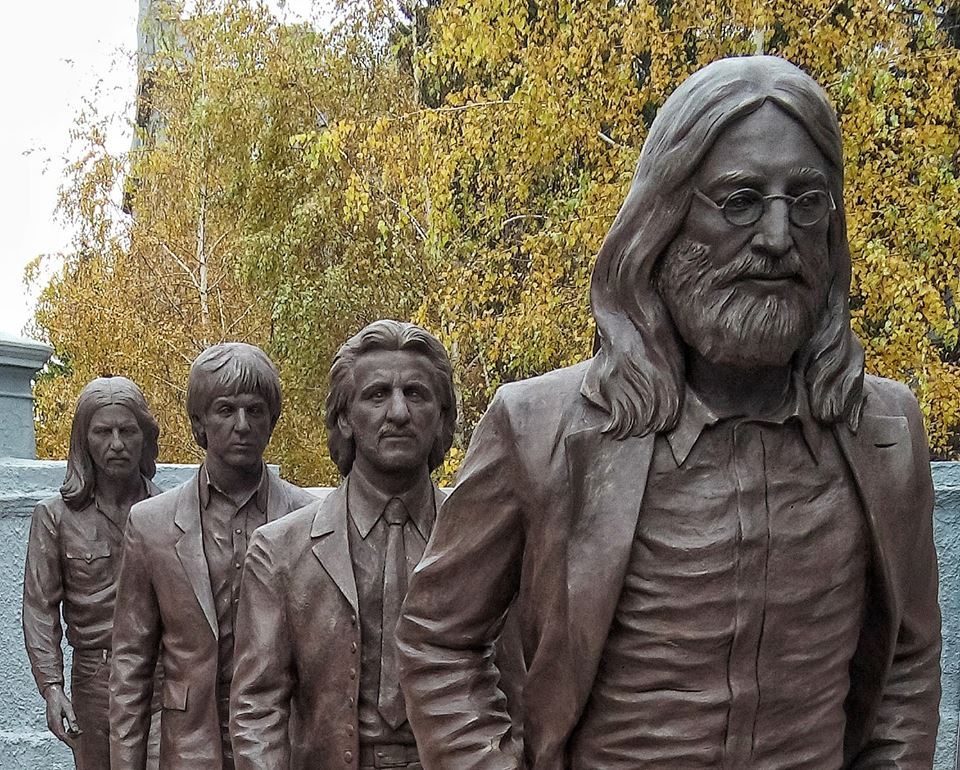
column 455, row 609
column 42, row 595
column 136, row 637
column 905, row 731
column 263, row 675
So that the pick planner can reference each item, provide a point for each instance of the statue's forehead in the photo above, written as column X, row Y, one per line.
column 768, row 144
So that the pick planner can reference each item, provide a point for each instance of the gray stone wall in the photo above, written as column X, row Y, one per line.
column 25, row 742
column 946, row 524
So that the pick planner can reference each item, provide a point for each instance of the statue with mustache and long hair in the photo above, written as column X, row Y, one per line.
column 717, row 532
column 73, row 562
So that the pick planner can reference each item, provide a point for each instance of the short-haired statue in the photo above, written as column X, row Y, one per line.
column 73, row 560
column 180, row 578
column 717, row 531
column 317, row 680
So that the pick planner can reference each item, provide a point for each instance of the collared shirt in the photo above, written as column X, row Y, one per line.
column 227, row 525
column 742, row 604
column 73, row 560
column 368, row 542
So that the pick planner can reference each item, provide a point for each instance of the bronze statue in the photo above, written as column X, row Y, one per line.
column 180, row 577
column 73, row 560
column 717, row 532
column 317, row 682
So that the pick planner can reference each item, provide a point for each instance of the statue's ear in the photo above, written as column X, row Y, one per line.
column 344, row 424
column 199, row 430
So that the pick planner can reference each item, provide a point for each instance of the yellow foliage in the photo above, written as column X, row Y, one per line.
column 460, row 168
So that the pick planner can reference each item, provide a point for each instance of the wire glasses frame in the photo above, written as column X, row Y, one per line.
column 745, row 207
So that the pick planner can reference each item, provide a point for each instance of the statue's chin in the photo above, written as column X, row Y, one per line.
column 745, row 341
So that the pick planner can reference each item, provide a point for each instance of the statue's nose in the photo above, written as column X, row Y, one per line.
column 773, row 229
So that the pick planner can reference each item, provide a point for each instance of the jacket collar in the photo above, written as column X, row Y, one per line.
column 331, row 547
column 189, row 545
column 331, row 544
column 189, row 548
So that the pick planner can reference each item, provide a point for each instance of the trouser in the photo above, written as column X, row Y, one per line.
column 90, row 696
column 388, row 755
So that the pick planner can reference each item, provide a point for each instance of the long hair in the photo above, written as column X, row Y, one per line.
column 638, row 372
column 79, row 485
column 226, row 370
column 388, row 335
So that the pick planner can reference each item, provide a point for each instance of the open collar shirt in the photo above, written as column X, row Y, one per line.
column 227, row 524
column 746, row 583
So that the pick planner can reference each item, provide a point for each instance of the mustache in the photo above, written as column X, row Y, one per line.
column 748, row 265
column 396, row 433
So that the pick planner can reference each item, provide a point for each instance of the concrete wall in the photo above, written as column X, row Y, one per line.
column 946, row 523
column 26, row 743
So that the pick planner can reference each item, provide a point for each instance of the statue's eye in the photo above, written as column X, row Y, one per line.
column 742, row 201
column 810, row 208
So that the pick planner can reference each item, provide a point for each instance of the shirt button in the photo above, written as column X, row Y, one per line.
column 350, row 730
column 350, row 701
column 353, row 646
column 353, row 619
column 237, row 565
column 348, row 757
column 237, row 531
column 353, row 673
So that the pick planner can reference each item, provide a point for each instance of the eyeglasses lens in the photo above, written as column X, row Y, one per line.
column 745, row 207
column 809, row 208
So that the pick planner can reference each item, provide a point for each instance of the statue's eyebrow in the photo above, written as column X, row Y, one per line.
column 807, row 174
column 376, row 384
column 802, row 174
column 737, row 178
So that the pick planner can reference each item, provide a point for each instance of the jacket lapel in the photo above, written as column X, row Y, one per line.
column 877, row 454
column 331, row 546
column 607, row 479
column 277, row 504
column 189, row 549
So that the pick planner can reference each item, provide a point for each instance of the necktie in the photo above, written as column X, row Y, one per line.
column 390, row 698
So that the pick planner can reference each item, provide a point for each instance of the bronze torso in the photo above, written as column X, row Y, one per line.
column 74, row 554
column 759, row 525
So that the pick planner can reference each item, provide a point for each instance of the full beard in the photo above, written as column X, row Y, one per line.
column 735, row 323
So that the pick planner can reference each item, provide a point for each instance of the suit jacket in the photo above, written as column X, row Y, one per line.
column 164, row 600
column 296, row 680
column 544, row 513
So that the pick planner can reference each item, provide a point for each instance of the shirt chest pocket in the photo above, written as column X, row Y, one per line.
column 88, row 564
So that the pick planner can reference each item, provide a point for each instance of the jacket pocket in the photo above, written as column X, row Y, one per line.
column 175, row 695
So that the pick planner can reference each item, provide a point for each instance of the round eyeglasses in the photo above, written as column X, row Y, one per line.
column 745, row 207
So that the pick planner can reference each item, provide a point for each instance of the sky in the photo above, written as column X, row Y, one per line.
column 54, row 55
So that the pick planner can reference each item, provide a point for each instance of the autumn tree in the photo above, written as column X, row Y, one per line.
column 219, row 209
column 457, row 163
column 531, row 118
